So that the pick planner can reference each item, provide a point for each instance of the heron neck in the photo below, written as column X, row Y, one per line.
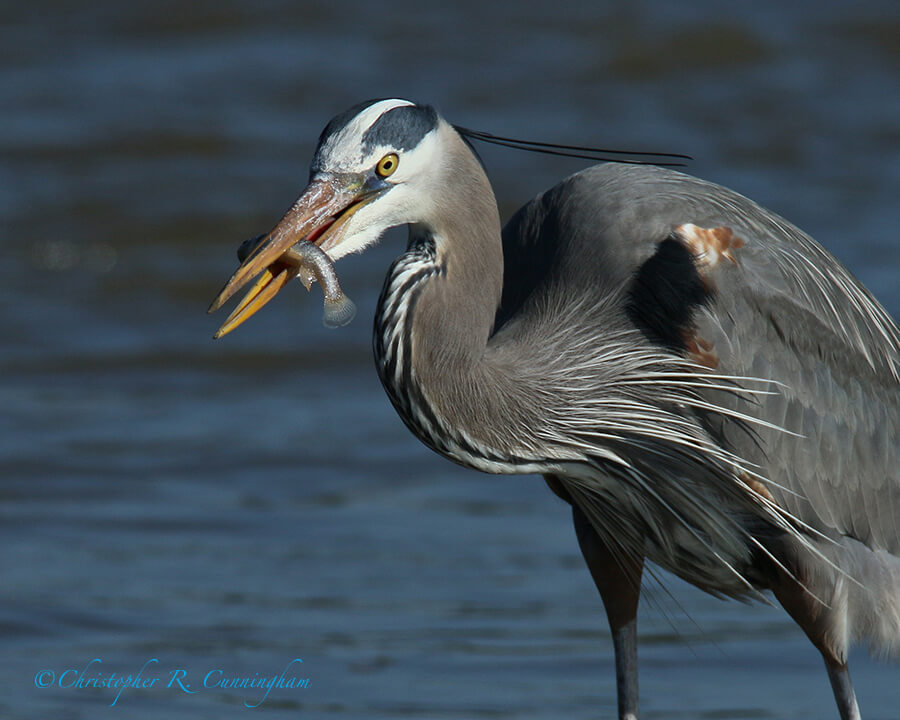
column 433, row 326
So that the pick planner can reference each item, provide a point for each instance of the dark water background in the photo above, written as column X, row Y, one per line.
column 239, row 504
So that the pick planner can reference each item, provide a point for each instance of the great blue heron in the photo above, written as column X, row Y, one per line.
column 705, row 385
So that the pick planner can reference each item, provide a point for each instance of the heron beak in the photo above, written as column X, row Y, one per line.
column 320, row 216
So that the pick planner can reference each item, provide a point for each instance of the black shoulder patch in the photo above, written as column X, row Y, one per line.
column 402, row 128
column 664, row 294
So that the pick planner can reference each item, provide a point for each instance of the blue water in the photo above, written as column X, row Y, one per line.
column 236, row 505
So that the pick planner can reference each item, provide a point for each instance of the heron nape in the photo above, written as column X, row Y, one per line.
column 707, row 387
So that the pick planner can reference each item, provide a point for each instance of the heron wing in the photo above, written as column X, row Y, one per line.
column 781, row 308
column 742, row 292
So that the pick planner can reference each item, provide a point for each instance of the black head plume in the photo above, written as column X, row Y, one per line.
column 632, row 157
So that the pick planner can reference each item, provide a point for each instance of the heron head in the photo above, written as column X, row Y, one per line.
column 374, row 168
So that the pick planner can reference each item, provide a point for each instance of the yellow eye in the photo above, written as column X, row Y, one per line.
column 387, row 165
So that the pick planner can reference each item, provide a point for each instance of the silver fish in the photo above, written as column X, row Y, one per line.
column 314, row 264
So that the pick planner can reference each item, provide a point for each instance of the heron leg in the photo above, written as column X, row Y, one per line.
column 618, row 578
column 816, row 620
column 839, row 674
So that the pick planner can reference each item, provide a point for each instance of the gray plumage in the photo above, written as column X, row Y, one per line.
column 704, row 384
column 787, row 313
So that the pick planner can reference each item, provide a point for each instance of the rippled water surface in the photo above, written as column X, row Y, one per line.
column 235, row 505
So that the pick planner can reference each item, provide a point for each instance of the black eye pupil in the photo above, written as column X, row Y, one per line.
column 386, row 165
